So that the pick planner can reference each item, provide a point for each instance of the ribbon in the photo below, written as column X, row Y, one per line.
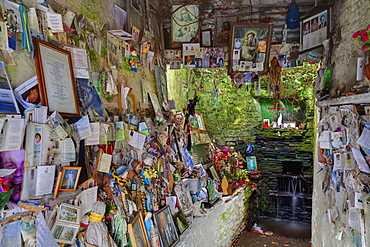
column 95, row 217
column 26, row 35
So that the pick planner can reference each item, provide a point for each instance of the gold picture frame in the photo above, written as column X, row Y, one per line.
column 56, row 81
column 69, row 180
column 137, row 232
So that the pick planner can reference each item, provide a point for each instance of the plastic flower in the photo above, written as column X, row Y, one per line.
column 368, row 28
column 364, row 38
column 365, row 48
column 357, row 35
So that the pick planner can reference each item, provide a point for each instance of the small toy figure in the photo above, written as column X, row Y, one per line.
column 134, row 60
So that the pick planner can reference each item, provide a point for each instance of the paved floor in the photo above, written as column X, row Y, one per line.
column 285, row 233
column 248, row 239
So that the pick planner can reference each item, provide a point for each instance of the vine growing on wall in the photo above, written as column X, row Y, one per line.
column 229, row 111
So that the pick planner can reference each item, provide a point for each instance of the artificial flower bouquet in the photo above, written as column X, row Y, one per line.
column 364, row 37
column 5, row 192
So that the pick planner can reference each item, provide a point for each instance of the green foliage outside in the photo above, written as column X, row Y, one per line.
column 234, row 111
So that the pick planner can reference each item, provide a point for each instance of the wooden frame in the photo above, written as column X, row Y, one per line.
column 137, row 232
column 181, row 222
column 314, row 30
column 69, row 214
column 70, row 176
column 253, row 55
column 131, row 104
column 197, row 122
column 64, row 233
column 166, row 227
column 252, row 163
column 206, row 38
column 56, row 80
column 184, row 23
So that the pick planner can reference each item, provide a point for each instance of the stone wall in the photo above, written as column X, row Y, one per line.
column 348, row 16
column 222, row 223
column 275, row 147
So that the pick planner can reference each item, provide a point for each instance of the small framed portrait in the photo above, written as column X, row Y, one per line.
column 214, row 173
column 137, row 232
column 252, row 163
column 166, row 226
column 69, row 214
column 64, row 233
column 206, row 38
column 70, row 176
column 181, row 222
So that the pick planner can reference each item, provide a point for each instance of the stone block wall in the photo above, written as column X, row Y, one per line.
column 221, row 224
column 273, row 148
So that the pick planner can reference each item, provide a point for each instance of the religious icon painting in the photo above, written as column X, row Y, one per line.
column 70, row 176
column 184, row 23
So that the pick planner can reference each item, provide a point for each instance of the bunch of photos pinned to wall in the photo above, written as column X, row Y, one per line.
column 343, row 155
column 194, row 56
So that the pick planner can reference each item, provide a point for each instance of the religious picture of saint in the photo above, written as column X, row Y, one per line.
column 69, row 179
column 184, row 22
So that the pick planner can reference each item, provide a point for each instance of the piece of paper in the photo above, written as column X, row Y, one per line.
column 79, row 57
column 155, row 102
column 359, row 200
column 104, row 163
column 124, row 92
column 27, row 94
column 68, row 18
column 69, row 152
column 13, row 134
column 87, row 198
column 83, row 127
column 43, row 234
column 121, row 131
column 11, row 234
column 54, row 21
column 364, row 139
column 94, row 138
column 360, row 160
column 136, row 139
column 45, row 180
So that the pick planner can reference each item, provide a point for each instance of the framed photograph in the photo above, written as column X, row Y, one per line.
column 181, row 223
column 213, row 171
column 197, row 122
column 137, row 5
column 195, row 138
column 69, row 214
column 137, row 232
column 314, row 30
column 205, row 136
column 166, row 226
column 206, row 38
column 184, row 23
column 252, row 163
column 64, row 233
column 70, row 176
column 250, row 47
column 8, row 103
column 56, row 80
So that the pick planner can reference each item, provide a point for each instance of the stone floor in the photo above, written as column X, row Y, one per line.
column 284, row 233
column 248, row 239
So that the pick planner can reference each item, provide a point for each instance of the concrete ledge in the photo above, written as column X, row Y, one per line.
column 219, row 225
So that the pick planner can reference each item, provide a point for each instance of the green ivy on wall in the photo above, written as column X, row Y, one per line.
column 230, row 111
